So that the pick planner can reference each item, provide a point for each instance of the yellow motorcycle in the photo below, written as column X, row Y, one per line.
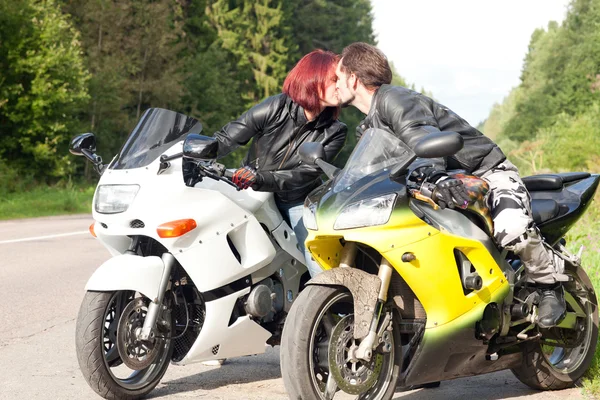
column 413, row 294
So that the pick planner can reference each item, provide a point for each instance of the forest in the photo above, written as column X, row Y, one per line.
column 550, row 122
column 74, row 66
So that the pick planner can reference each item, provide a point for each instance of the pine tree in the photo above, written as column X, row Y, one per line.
column 249, row 31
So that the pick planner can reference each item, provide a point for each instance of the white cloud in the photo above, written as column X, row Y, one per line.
column 469, row 53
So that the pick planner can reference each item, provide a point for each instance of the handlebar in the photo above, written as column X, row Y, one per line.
column 429, row 193
column 217, row 172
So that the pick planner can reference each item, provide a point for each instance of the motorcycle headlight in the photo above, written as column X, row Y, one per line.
column 113, row 199
column 369, row 212
column 309, row 216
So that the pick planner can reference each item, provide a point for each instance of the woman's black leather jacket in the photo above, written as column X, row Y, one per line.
column 278, row 127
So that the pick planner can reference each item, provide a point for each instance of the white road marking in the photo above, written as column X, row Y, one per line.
column 43, row 237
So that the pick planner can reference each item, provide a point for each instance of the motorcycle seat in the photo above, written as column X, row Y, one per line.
column 544, row 210
column 543, row 182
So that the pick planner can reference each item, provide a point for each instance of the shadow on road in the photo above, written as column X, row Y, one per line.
column 500, row 385
column 236, row 371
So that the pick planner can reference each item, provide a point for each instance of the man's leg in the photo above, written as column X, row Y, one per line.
column 515, row 230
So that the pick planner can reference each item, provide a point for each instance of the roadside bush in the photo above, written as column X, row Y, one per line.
column 570, row 144
column 13, row 180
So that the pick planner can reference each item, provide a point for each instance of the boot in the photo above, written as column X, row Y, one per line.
column 552, row 308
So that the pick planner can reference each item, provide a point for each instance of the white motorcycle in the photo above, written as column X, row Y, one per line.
column 199, row 271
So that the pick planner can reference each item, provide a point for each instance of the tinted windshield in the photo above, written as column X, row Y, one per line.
column 157, row 130
column 376, row 150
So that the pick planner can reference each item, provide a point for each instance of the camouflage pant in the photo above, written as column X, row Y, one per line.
column 514, row 228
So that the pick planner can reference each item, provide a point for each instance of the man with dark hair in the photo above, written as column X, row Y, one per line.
column 364, row 78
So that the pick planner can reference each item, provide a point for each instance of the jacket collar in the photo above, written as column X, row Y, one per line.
column 373, row 109
column 297, row 113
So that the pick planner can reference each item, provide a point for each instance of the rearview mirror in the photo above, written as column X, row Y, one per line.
column 85, row 141
column 200, row 147
column 310, row 152
column 433, row 145
column 439, row 144
column 85, row 145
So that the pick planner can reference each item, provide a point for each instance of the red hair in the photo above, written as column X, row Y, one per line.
column 307, row 81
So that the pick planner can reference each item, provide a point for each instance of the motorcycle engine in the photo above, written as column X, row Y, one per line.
column 265, row 300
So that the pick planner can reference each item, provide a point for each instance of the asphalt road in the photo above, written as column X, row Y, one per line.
column 41, row 286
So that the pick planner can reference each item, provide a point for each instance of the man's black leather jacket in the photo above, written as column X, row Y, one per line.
column 279, row 126
column 410, row 115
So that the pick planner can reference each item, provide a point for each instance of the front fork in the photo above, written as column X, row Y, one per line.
column 365, row 349
column 155, row 305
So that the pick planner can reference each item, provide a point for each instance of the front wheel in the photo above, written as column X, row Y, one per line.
column 315, row 359
column 106, row 327
column 564, row 355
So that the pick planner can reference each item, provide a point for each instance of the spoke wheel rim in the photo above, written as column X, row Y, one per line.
column 127, row 378
column 316, row 363
column 567, row 360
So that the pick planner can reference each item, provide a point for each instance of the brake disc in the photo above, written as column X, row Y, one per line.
column 134, row 353
column 352, row 376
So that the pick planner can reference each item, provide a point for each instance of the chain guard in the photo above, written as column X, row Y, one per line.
column 352, row 377
column 134, row 353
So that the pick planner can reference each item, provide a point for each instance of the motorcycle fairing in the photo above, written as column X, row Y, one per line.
column 458, row 224
column 571, row 201
column 433, row 276
column 223, row 340
column 128, row 272
column 452, row 350
column 205, row 252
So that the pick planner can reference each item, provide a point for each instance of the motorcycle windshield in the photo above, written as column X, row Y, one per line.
column 156, row 132
column 377, row 150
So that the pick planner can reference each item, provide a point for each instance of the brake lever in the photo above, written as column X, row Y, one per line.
column 210, row 174
column 419, row 196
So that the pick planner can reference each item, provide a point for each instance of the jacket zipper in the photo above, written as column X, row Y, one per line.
column 291, row 146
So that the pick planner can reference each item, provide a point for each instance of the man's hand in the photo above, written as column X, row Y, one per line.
column 450, row 193
column 244, row 177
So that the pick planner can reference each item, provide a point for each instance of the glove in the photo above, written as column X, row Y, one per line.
column 245, row 177
column 450, row 193
column 427, row 174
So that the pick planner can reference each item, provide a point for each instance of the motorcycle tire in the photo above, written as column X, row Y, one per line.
column 545, row 372
column 297, row 368
column 93, row 356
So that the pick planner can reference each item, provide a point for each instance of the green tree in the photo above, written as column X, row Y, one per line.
column 42, row 86
column 559, row 72
column 213, row 87
column 500, row 115
column 250, row 32
column 133, row 51
column 329, row 24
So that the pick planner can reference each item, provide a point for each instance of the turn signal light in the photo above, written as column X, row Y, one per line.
column 92, row 229
column 176, row 228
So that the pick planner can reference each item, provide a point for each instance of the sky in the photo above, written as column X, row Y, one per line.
column 467, row 53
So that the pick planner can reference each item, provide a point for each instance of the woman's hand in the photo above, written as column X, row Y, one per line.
column 245, row 177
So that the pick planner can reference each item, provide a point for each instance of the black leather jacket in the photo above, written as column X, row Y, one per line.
column 410, row 115
column 278, row 127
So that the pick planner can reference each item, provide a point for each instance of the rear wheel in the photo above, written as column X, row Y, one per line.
column 114, row 363
column 564, row 355
column 315, row 357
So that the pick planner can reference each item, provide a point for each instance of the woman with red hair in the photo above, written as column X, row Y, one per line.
column 306, row 111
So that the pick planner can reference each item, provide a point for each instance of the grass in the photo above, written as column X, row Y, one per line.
column 587, row 233
column 45, row 201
